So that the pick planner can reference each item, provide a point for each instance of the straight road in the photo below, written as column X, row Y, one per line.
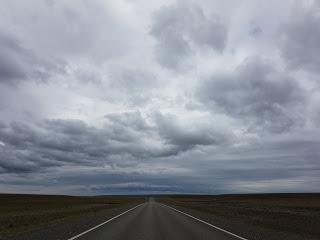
column 155, row 221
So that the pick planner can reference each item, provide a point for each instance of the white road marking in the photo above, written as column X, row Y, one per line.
column 209, row 224
column 99, row 225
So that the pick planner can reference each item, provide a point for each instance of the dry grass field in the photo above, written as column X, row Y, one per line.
column 262, row 216
column 19, row 213
column 289, row 214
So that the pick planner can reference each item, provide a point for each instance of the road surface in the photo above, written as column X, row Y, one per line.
column 155, row 221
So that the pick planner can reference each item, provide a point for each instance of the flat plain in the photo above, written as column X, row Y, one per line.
column 257, row 216
column 27, row 216
column 253, row 216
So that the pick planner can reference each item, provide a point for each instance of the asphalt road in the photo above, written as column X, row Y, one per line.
column 154, row 221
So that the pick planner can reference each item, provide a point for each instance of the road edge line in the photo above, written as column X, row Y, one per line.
column 99, row 225
column 209, row 224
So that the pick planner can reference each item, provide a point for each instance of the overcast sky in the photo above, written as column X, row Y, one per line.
column 149, row 96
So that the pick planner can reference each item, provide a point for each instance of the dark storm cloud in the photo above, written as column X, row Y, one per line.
column 126, row 135
column 60, row 142
column 186, row 136
column 18, row 63
column 300, row 38
column 257, row 93
column 181, row 27
column 285, row 161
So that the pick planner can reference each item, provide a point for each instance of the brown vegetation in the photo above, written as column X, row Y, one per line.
column 297, row 214
column 20, row 213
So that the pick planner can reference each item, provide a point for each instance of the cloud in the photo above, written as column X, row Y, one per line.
column 19, row 64
column 101, row 97
column 300, row 37
column 53, row 143
column 91, row 31
column 57, row 142
column 187, row 135
column 181, row 27
column 257, row 93
column 121, row 157
column 133, row 87
column 126, row 135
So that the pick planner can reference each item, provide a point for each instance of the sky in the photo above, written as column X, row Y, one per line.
column 147, row 96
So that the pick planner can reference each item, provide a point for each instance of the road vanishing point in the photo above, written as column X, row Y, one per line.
column 155, row 221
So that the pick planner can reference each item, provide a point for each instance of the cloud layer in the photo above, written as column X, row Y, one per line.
column 258, row 94
column 182, row 29
column 106, row 97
